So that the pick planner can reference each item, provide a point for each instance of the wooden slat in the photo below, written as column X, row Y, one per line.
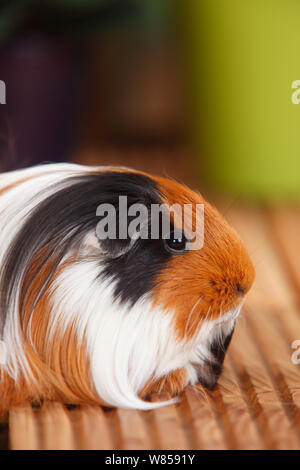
column 285, row 227
column 23, row 429
column 284, row 374
column 56, row 429
column 204, row 427
column 92, row 429
column 132, row 430
column 256, row 384
column 244, row 431
column 167, row 426
column 223, row 418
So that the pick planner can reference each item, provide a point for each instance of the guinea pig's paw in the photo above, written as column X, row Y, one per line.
column 172, row 383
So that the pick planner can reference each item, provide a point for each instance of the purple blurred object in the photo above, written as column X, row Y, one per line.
column 44, row 84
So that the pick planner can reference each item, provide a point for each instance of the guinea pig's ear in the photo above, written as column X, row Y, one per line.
column 119, row 227
column 109, row 247
column 91, row 242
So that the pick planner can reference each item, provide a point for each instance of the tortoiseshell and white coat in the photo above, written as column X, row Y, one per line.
column 109, row 322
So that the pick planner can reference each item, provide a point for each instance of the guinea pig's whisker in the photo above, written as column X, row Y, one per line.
column 209, row 314
column 200, row 323
column 203, row 320
column 201, row 392
column 187, row 329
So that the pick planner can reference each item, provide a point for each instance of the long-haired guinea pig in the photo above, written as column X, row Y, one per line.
column 91, row 319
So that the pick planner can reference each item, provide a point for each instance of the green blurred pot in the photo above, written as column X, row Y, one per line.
column 244, row 56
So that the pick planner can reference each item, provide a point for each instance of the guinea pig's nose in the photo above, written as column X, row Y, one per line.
column 240, row 290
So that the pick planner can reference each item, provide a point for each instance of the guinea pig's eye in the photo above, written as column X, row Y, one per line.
column 175, row 243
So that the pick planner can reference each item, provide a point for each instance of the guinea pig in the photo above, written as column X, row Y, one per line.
column 111, row 320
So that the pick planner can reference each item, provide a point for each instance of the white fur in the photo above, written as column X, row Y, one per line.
column 16, row 205
column 126, row 345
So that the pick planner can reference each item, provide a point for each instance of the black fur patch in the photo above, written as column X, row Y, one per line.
column 135, row 271
column 209, row 374
column 61, row 221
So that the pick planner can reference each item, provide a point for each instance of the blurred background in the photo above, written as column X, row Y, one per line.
column 200, row 90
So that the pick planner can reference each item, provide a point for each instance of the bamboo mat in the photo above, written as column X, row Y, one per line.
column 256, row 404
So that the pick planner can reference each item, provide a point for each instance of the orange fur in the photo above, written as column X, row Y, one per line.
column 173, row 384
column 59, row 365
